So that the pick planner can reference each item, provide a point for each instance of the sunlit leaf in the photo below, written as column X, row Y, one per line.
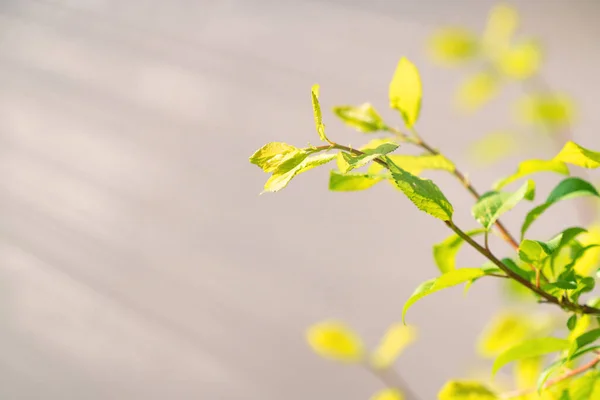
column 388, row 394
column 423, row 193
column 288, row 170
column 364, row 117
column 529, row 167
column 444, row 253
column 477, row 90
column 586, row 387
column 453, row 46
column 504, row 331
column 572, row 153
column 493, row 204
column 528, row 349
column 353, row 161
column 568, row 188
column 449, row 279
column 272, row 155
column 493, row 147
column 533, row 251
column 339, row 182
column 590, row 260
column 522, row 60
column 334, row 340
column 395, row 340
column 527, row 372
column 466, row 390
column 405, row 91
column 550, row 111
column 417, row 164
column 317, row 113
column 584, row 339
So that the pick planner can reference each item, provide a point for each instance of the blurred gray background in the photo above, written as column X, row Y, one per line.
column 137, row 260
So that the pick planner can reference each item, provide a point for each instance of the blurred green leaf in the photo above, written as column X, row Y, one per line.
column 529, row 167
column 493, row 147
column 417, row 164
column 583, row 340
column 493, row 204
column 548, row 111
column 453, row 46
column 444, row 253
column 477, row 90
column 527, row 371
column 350, row 182
column 572, row 322
column 533, row 251
column 388, row 394
column 363, row 118
column 405, row 91
column 449, row 279
column 422, row 192
column 572, row 153
column 522, row 60
column 502, row 23
column 272, row 155
column 528, row 349
column 395, row 340
column 466, row 390
column 334, row 340
column 586, row 387
column 568, row 188
column 504, row 331
column 317, row 113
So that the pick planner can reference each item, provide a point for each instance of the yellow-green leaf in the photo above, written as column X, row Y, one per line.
column 423, row 193
column 504, row 331
column 533, row 251
column 493, row 147
column 549, row 111
column 449, row 279
column 466, row 390
column 288, row 170
column 405, row 91
column 477, row 90
column 522, row 60
column 351, row 182
column 272, row 155
column 493, row 204
column 572, row 153
column 353, row 161
column 529, row 167
column 530, row 348
column 364, row 117
column 527, row 371
column 417, row 164
column 590, row 260
column 395, row 340
column 502, row 23
column 586, row 387
column 317, row 113
column 388, row 394
column 444, row 253
column 453, row 45
column 334, row 340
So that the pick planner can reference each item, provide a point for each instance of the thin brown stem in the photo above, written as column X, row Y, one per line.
column 391, row 379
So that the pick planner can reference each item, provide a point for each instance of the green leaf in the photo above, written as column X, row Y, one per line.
column 493, row 204
column 586, row 387
column 288, row 170
column 417, row 164
column 453, row 46
column 353, row 161
column 529, row 167
column 405, row 91
column 364, row 117
column 339, row 182
column 336, row 341
column 422, row 192
column 528, row 349
column 522, row 60
column 572, row 153
column 568, row 188
column 548, row 111
column 502, row 22
column 395, row 340
column 572, row 322
column 563, row 238
column 317, row 113
column 447, row 280
column 533, row 251
column 585, row 339
column 466, row 390
column 388, row 394
column 504, row 331
column 527, row 371
column 272, row 155
column 477, row 90
column 444, row 253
